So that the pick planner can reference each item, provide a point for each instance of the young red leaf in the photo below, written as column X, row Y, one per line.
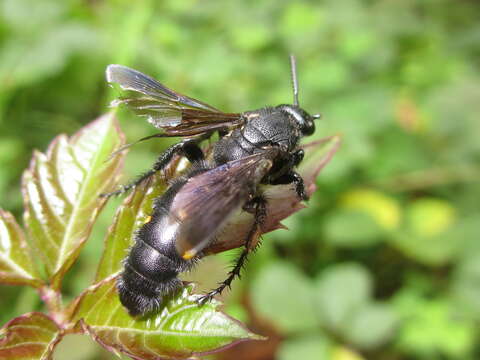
column 30, row 336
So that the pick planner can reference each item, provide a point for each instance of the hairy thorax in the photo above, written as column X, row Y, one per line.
column 264, row 127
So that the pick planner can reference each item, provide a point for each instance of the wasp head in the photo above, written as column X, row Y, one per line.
column 305, row 121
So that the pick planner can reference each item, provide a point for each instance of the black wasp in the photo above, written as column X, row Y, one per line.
column 254, row 147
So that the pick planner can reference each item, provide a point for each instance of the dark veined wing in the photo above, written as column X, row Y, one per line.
column 176, row 114
column 205, row 203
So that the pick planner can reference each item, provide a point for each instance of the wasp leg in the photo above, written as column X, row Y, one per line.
column 298, row 156
column 188, row 148
column 259, row 203
column 296, row 179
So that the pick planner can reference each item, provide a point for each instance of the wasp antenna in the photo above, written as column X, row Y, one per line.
column 293, row 68
column 126, row 146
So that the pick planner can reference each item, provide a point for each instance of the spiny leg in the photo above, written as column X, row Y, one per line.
column 298, row 156
column 188, row 148
column 259, row 204
column 296, row 179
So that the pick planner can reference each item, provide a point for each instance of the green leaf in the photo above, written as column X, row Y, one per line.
column 180, row 330
column 61, row 192
column 132, row 214
column 372, row 326
column 432, row 328
column 81, row 347
column 312, row 347
column 344, row 302
column 341, row 291
column 30, row 336
column 16, row 265
column 284, row 295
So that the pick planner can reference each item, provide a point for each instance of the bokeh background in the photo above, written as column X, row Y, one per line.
column 385, row 262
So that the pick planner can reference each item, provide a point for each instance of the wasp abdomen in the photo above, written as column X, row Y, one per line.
column 152, row 266
column 150, row 263
column 148, row 276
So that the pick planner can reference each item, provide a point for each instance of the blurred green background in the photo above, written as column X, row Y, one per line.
column 385, row 262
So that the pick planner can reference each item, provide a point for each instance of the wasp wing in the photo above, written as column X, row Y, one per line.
column 206, row 201
column 176, row 114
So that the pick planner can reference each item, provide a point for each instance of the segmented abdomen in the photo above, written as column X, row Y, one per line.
column 153, row 264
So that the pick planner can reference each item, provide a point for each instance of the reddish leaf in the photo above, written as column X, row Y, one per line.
column 30, row 336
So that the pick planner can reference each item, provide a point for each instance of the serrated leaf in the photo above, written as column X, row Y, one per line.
column 61, row 192
column 181, row 329
column 30, row 336
column 16, row 265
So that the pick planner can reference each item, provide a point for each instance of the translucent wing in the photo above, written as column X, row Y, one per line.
column 176, row 114
column 207, row 200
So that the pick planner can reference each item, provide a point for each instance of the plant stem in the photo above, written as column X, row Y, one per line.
column 53, row 301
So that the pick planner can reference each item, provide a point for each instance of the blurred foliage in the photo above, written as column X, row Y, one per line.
column 384, row 264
